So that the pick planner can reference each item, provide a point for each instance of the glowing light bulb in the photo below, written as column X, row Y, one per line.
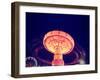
column 58, row 43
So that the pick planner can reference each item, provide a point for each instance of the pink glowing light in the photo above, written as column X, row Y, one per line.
column 59, row 43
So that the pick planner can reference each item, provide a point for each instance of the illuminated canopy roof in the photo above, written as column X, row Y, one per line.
column 58, row 42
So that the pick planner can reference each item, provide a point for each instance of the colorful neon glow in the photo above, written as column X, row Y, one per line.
column 38, row 24
column 58, row 43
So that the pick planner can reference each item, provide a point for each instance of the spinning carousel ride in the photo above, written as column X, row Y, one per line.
column 59, row 43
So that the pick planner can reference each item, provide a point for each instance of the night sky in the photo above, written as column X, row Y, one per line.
column 38, row 24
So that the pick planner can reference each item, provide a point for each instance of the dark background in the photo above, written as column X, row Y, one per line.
column 38, row 24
